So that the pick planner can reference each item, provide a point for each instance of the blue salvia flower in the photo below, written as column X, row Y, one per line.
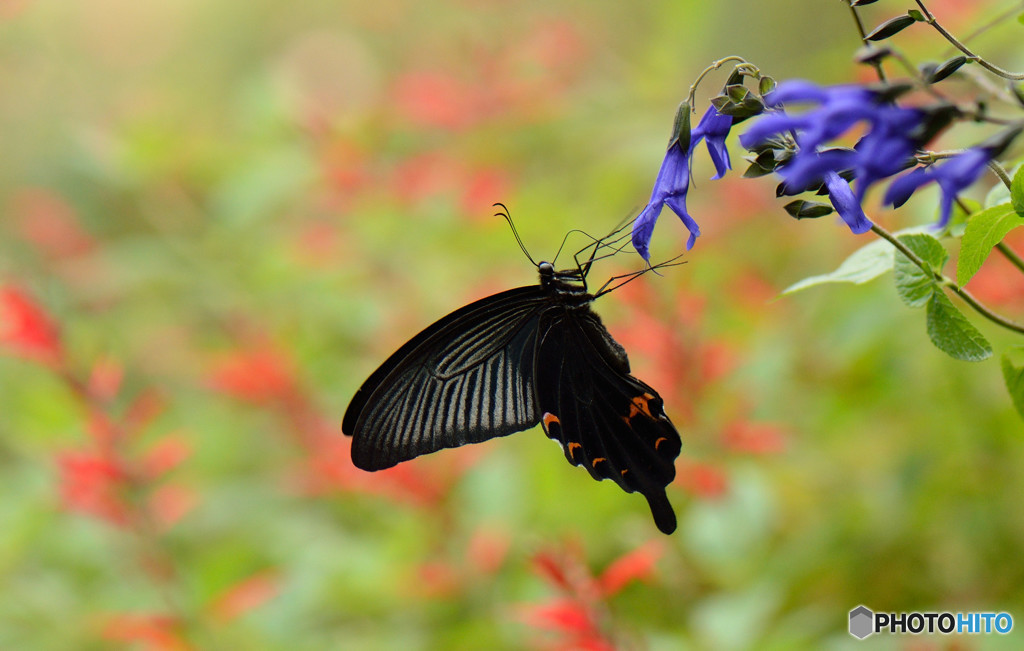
column 839, row 108
column 673, row 180
column 846, row 203
column 714, row 128
column 886, row 149
column 953, row 175
column 670, row 188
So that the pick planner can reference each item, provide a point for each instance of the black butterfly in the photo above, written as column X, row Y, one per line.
column 529, row 355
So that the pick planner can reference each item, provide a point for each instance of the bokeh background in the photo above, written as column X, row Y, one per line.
column 217, row 218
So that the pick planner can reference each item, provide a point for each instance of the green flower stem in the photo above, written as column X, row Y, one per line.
column 750, row 68
column 947, row 282
column 877, row 65
column 1000, row 171
column 994, row 69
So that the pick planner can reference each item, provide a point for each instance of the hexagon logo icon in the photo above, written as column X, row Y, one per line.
column 862, row 622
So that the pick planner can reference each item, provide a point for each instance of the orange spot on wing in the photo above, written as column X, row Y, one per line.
column 624, row 471
column 641, row 405
column 572, row 448
column 549, row 418
column 658, row 442
column 597, row 461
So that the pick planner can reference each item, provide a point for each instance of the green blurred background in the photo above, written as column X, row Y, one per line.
column 235, row 210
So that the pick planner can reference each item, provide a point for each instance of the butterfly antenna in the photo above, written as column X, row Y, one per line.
column 612, row 283
column 504, row 213
column 566, row 239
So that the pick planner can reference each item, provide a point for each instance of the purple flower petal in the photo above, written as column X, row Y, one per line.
column 714, row 127
column 678, row 205
column 673, row 181
column 954, row 175
column 846, row 204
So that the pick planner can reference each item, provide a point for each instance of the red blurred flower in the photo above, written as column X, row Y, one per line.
column 487, row 549
column 149, row 632
column 26, row 329
column 955, row 14
column 671, row 355
column 636, row 565
column 94, row 485
column 580, row 612
column 481, row 190
column 50, row 223
column 549, row 566
column 438, row 579
column 169, row 503
column 702, row 479
column 422, row 482
column 165, row 455
column 259, row 375
column 247, row 595
column 555, row 44
column 427, row 175
column 102, row 429
column 753, row 438
column 565, row 615
column 431, row 175
column 143, row 410
column 105, row 379
column 436, row 100
column 345, row 166
column 534, row 71
column 318, row 244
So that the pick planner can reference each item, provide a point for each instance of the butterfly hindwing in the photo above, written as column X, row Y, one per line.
column 606, row 420
column 466, row 378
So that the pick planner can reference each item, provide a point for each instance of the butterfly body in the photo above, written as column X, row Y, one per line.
column 531, row 355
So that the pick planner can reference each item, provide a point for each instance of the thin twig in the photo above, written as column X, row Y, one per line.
column 1011, row 255
column 994, row 69
column 877, row 65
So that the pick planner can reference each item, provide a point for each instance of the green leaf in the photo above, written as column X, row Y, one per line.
column 1017, row 191
column 755, row 170
column 915, row 285
column 917, row 15
column 984, row 230
column 1013, row 374
column 890, row 28
column 962, row 210
column 866, row 263
column 952, row 333
column 802, row 209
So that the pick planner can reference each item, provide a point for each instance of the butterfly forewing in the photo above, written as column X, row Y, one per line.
column 465, row 379
column 605, row 419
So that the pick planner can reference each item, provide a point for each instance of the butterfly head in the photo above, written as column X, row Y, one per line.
column 563, row 281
